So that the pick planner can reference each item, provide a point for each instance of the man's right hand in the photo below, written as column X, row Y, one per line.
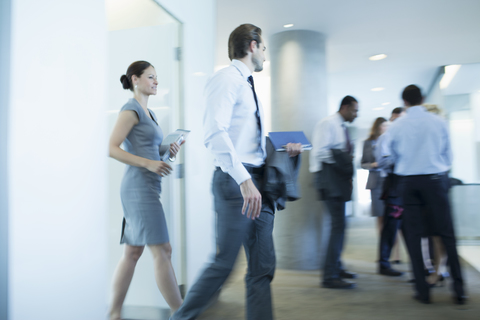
column 252, row 199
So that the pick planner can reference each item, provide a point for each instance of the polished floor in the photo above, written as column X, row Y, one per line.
column 298, row 296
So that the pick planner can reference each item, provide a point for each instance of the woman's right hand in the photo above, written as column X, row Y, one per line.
column 159, row 167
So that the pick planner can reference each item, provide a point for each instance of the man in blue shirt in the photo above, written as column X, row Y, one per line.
column 419, row 147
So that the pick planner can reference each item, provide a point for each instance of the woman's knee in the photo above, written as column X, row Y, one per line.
column 133, row 252
column 163, row 250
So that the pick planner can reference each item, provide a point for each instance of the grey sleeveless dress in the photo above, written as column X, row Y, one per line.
column 144, row 220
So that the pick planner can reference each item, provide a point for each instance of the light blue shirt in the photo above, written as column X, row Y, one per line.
column 417, row 143
column 384, row 163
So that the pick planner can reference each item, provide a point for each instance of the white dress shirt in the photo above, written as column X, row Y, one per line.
column 328, row 134
column 230, row 123
column 418, row 143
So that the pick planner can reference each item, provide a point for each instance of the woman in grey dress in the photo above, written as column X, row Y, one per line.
column 144, row 220
column 375, row 180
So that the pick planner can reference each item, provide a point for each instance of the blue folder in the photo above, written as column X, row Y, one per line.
column 280, row 139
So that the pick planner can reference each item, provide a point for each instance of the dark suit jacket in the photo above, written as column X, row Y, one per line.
column 280, row 176
column 335, row 180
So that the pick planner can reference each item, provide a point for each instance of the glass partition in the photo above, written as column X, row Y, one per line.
column 456, row 93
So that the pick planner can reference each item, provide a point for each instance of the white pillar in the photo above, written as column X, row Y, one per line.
column 299, row 101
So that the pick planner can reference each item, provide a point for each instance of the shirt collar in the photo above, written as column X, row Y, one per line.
column 340, row 118
column 416, row 109
column 242, row 67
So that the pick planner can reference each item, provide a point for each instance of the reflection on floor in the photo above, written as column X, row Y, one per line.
column 471, row 254
column 298, row 296
column 145, row 313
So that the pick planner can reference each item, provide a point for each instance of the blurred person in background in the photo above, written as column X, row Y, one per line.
column 438, row 265
column 368, row 162
column 331, row 161
column 393, row 208
column 419, row 147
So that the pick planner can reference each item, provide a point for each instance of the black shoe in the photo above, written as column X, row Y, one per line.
column 396, row 262
column 460, row 299
column 390, row 272
column 338, row 283
column 347, row 274
column 421, row 300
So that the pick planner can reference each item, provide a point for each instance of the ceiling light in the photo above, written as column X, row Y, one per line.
column 378, row 89
column 377, row 109
column 385, row 103
column 288, row 25
column 450, row 72
column 378, row 57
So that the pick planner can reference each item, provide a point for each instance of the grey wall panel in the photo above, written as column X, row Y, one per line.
column 5, row 29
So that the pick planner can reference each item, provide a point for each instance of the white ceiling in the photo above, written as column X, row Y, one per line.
column 417, row 35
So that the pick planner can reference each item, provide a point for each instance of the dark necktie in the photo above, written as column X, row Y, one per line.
column 347, row 138
column 257, row 113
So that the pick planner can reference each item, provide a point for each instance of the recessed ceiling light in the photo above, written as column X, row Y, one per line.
column 378, row 89
column 378, row 57
column 288, row 25
column 450, row 72
column 385, row 103
column 377, row 109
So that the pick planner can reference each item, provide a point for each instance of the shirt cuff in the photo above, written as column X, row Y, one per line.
column 239, row 173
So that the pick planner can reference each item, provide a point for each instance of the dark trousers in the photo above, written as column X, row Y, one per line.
column 388, row 236
column 333, row 264
column 427, row 212
column 233, row 230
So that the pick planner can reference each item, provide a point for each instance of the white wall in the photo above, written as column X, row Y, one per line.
column 57, row 157
column 198, row 18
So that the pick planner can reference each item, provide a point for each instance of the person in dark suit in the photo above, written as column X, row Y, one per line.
column 331, row 162
column 375, row 179
column 419, row 146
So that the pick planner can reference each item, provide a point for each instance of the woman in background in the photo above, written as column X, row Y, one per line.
column 375, row 180
column 144, row 220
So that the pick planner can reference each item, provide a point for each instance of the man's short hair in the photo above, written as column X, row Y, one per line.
column 398, row 110
column 240, row 40
column 347, row 101
column 413, row 95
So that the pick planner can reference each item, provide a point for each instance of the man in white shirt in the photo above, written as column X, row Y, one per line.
column 234, row 133
column 331, row 161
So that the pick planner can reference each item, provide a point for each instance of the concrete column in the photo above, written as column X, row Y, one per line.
column 299, row 101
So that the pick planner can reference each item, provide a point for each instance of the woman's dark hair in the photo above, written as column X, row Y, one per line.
column 137, row 68
column 375, row 131
column 398, row 110
column 413, row 95
column 240, row 40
